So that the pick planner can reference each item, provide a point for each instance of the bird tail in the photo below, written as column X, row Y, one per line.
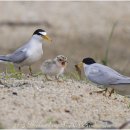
column 4, row 58
column 124, row 81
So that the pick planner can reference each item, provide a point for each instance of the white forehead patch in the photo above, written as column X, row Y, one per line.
column 43, row 33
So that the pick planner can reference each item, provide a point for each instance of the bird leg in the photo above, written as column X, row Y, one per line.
column 48, row 78
column 57, row 78
column 20, row 70
column 112, row 91
column 105, row 90
column 30, row 70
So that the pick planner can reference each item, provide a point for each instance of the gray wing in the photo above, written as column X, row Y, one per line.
column 48, row 63
column 104, row 75
column 17, row 57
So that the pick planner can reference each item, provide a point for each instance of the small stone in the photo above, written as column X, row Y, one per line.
column 15, row 93
column 81, row 95
column 88, row 124
column 76, row 98
column 67, row 111
column 50, row 110
column 90, row 93
column 78, row 86
column 56, row 122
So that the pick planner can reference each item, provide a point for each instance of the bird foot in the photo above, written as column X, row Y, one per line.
column 100, row 92
column 31, row 75
column 48, row 79
column 60, row 81
column 111, row 92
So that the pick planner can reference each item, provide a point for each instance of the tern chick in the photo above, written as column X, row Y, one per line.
column 54, row 67
column 104, row 75
column 29, row 53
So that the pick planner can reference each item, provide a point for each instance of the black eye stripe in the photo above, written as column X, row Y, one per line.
column 39, row 34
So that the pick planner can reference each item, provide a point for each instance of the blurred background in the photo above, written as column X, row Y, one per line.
column 78, row 29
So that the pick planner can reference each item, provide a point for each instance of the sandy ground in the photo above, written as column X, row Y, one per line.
column 36, row 103
column 78, row 30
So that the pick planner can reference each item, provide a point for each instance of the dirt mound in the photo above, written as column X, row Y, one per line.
column 36, row 103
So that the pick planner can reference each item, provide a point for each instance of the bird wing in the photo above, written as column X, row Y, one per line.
column 48, row 64
column 18, row 56
column 104, row 75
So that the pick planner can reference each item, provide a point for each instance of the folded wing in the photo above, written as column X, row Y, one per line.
column 104, row 75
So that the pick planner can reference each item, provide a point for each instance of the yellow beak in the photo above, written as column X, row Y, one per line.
column 78, row 68
column 80, row 65
column 46, row 38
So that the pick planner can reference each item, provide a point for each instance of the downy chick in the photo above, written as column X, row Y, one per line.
column 54, row 67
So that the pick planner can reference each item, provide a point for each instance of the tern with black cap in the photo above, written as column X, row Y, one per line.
column 29, row 53
column 104, row 75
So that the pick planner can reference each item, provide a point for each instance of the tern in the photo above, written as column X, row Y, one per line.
column 29, row 53
column 104, row 75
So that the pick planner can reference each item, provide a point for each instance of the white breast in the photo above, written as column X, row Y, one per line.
column 34, row 54
column 53, row 70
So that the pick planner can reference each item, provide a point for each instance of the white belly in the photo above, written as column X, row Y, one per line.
column 53, row 70
column 34, row 54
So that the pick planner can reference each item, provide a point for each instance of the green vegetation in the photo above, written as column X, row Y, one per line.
column 74, row 75
column 105, row 59
column 11, row 72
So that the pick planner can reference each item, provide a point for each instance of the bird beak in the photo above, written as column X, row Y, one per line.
column 46, row 38
column 78, row 69
column 80, row 65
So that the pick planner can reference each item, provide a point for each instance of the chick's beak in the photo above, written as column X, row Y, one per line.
column 46, row 38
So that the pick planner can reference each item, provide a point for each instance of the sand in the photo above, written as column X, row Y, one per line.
column 36, row 103
column 78, row 30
